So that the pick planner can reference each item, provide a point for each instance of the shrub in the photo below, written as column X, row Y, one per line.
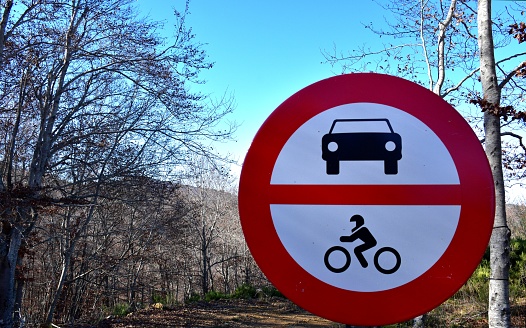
column 213, row 296
column 121, row 309
column 194, row 297
column 242, row 292
column 478, row 285
column 518, row 267
column 271, row 291
column 158, row 298
column 245, row 291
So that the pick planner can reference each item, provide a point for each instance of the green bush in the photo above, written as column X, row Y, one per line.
column 245, row 291
column 158, row 298
column 213, row 296
column 517, row 258
column 166, row 299
column 121, row 309
column 194, row 297
column 242, row 292
column 478, row 284
column 518, row 267
column 271, row 291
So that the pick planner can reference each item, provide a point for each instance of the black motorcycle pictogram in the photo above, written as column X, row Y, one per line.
column 362, row 233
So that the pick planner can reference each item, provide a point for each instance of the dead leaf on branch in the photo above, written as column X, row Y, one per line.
column 521, row 70
column 518, row 31
column 505, row 112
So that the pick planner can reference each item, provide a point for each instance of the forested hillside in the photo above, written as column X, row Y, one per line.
column 99, row 132
column 150, row 242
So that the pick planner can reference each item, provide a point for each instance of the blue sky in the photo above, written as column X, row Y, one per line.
column 265, row 51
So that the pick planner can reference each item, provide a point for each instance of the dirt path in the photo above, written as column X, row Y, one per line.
column 273, row 312
column 279, row 312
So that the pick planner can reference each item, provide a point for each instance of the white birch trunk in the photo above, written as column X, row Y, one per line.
column 499, row 307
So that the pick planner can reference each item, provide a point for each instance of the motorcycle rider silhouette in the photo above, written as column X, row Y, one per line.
column 362, row 233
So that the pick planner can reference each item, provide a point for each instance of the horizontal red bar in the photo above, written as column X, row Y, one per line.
column 365, row 194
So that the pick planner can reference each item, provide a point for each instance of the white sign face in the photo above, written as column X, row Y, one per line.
column 425, row 158
column 400, row 242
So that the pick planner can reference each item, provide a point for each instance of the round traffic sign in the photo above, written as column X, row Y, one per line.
column 366, row 199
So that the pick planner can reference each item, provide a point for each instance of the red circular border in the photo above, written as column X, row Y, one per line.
column 424, row 293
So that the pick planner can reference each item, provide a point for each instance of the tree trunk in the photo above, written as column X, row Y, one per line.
column 9, row 251
column 19, row 287
column 204, row 255
column 499, row 307
column 3, row 25
column 17, row 309
column 58, row 292
column 441, row 49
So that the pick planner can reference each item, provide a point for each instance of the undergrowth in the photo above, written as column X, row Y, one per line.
column 242, row 292
column 467, row 308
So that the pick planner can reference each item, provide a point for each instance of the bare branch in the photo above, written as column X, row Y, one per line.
column 516, row 136
column 459, row 84
column 443, row 25
column 333, row 59
column 512, row 73
column 424, row 47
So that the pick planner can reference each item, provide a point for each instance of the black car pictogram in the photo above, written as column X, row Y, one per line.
column 361, row 146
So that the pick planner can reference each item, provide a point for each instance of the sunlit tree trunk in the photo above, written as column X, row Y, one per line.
column 499, row 307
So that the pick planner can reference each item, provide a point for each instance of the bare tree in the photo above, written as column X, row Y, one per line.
column 88, row 96
column 209, row 192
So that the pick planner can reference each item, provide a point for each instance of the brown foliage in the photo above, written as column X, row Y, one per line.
column 502, row 111
column 518, row 31
column 521, row 70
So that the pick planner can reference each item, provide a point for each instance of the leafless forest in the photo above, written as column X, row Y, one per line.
column 110, row 193
column 147, row 242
